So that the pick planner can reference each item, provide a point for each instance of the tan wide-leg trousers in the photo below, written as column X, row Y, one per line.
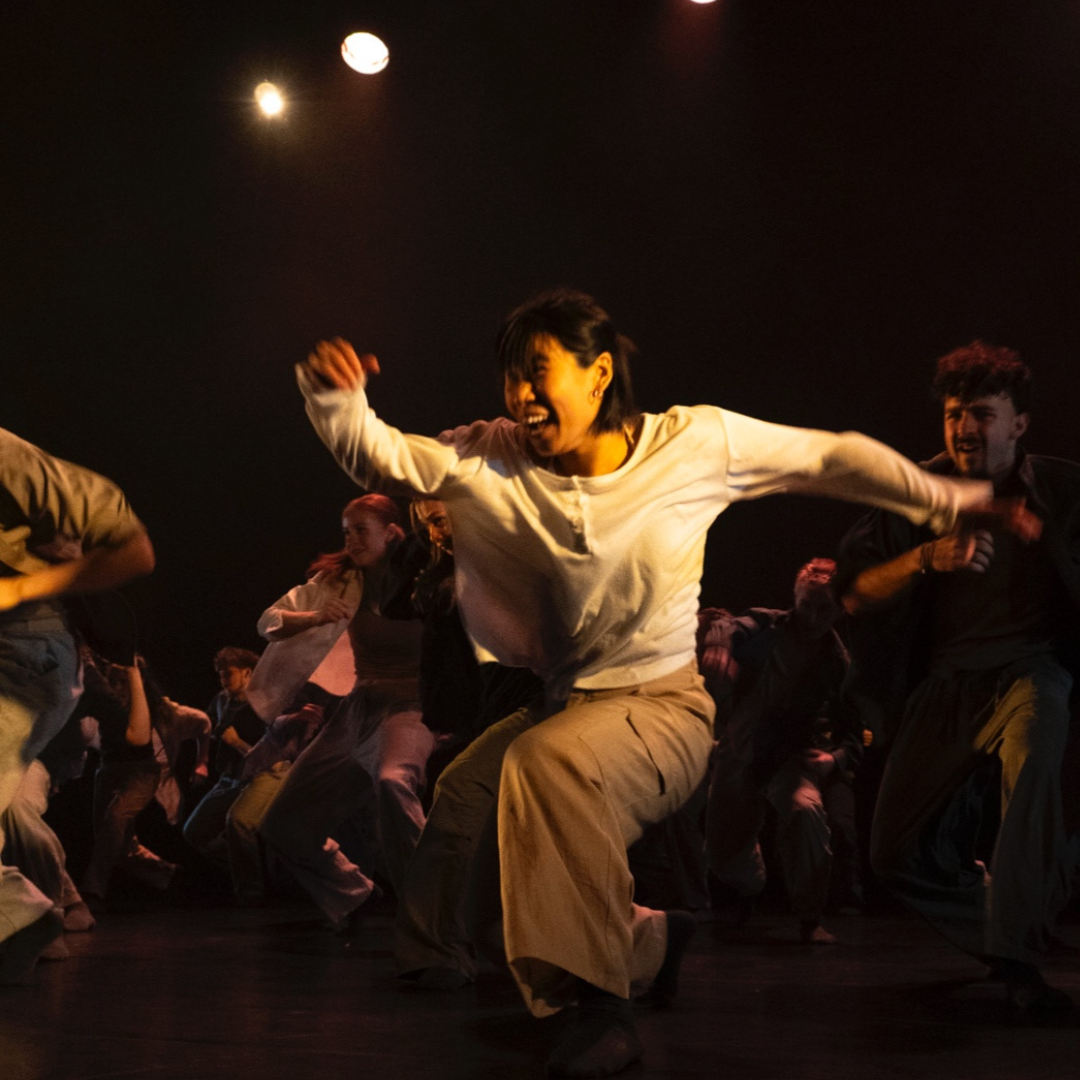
column 576, row 791
column 573, row 789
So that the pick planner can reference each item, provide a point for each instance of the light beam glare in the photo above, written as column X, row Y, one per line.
column 365, row 53
column 270, row 99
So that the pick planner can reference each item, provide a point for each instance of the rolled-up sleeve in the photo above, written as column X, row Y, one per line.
column 53, row 510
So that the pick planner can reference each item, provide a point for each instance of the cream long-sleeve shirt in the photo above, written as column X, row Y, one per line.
column 321, row 654
column 593, row 581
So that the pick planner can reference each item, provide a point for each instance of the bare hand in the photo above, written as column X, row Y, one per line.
column 962, row 551
column 818, row 763
column 1010, row 514
column 10, row 593
column 333, row 611
column 335, row 365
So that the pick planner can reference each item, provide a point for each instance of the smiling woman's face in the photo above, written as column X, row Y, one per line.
column 434, row 520
column 555, row 399
column 366, row 537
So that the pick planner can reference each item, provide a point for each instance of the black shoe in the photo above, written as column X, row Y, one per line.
column 1028, row 992
column 1036, row 999
column 20, row 953
column 730, row 908
column 602, row 1039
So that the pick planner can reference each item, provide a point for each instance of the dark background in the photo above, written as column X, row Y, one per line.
column 793, row 207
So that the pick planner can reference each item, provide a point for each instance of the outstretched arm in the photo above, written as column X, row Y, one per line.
column 101, row 568
column 377, row 456
column 765, row 459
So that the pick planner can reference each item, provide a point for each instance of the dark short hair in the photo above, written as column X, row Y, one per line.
column 585, row 330
column 231, row 656
column 981, row 370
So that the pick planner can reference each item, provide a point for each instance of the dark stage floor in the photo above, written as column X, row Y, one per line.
column 216, row 994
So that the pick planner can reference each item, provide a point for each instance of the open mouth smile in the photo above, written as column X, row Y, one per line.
column 535, row 420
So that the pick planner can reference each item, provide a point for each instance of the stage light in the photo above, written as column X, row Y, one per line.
column 701, row 1
column 270, row 99
column 365, row 53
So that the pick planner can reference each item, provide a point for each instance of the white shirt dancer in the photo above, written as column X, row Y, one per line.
column 579, row 530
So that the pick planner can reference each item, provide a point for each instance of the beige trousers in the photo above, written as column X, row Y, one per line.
column 576, row 790
column 31, row 845
column 922, row 842
column 40, row 683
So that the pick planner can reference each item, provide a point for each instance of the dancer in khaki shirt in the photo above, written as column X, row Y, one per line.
column 63, row 530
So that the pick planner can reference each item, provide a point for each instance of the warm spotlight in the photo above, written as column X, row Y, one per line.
column 269, row 99
column 365, row 53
